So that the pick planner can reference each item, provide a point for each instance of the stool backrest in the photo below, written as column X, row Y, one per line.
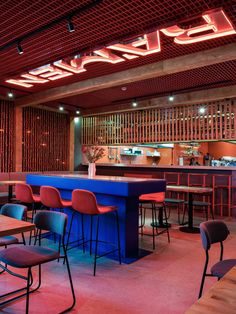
column 24, row 193
column 16, row 211
column 51, row 221
column 84, row 202
column 50, row 197
column 213, row 231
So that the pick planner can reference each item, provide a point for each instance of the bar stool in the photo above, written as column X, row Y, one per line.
column 157, row 201
column 50, row 198
column 173, row 178
column 222, row 192
column 25, row 195
column 85, row 202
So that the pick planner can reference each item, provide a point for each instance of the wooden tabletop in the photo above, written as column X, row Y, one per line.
column 219, row 299
column 189, row 189
column 10, row 226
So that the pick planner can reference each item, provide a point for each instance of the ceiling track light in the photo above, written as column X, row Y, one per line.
column 70, row 25
column 10, row 94
column 19, row 49
column 171, row 98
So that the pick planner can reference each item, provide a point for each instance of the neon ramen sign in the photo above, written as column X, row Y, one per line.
column 216, row 24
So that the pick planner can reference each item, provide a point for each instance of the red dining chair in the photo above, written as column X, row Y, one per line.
column 86, row 204
column 157, row 201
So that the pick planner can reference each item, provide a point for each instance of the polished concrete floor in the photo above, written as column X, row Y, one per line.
column 166, row 281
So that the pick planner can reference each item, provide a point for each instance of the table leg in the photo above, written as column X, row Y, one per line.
column 190, row 228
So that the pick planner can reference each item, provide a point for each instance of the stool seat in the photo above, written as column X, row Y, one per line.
column 199, row 203
column 66, row 203
column 222, row 267
column 154, row 197
column 174, row 200
column 103, row 209
column 27, row 256
column 8, row 240
column 36, row 198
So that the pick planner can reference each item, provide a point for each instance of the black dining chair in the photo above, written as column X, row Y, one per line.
column 27, row 257
column 214, row 231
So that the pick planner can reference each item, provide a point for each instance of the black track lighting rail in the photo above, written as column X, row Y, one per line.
column 55, row 22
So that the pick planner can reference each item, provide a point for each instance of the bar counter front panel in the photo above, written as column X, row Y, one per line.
column 120, row 191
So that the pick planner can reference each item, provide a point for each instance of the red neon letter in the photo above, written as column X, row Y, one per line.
column 50, row 72
column 77, row 65
column 30, row 79
column 151, row 41
column 217, row 25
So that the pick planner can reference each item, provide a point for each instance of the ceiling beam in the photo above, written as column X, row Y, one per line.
column 197, row 97
column 157, row 69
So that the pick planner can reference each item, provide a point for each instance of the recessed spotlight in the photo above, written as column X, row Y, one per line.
column 134, row 103
column 70, row 26
column 202, row 110
column 171, row 98
column 61, row 108
column 10, row 94
column 123, row 88
column 19, row 49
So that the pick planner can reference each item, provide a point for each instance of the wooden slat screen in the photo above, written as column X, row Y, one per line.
column 173, row 124
column 45, row 140
column 7, row 136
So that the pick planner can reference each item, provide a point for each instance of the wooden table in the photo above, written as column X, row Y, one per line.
column 10, row 184
column 219, row 299
column 190, row 190
column 10, row 226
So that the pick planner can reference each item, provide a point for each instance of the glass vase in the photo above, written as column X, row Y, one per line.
column 91, row 169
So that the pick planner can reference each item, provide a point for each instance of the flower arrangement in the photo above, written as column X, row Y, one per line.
column 93, row 153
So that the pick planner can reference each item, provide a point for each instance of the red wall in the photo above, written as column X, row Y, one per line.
column 219, row 149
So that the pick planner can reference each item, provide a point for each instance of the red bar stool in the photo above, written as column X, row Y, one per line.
column 85, row 203
column 173, row 198
column 157, row 201
column 50, row 198
column 222, row 192
column 25, row 195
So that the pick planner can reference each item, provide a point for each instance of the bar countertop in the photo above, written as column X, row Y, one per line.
column 122, row 165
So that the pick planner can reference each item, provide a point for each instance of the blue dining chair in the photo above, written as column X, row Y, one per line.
column 16, row 211
column 27, row 257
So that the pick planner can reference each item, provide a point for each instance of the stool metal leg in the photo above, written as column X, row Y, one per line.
column 153, row 228
column 96, row 248
column 91, row 235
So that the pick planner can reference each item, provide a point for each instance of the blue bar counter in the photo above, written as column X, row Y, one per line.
column 123, row 192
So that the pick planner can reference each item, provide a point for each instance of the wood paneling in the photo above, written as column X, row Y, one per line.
column 45, row 140
column 160, row 125
column 7, row 136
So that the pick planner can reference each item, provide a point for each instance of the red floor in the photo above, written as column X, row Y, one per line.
column 166, row 281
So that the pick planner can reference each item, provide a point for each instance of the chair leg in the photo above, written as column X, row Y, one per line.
column 27, row 292
column 167, row 226
column 71, row 283
column 23, row 238
column 96, row 248
column 91, row 235
column 69, row 232
column 118, row 235
column 82, row 228
column 203, row 276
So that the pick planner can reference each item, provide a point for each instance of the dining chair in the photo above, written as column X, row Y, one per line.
column 27, row 257
column 214, row 231
column 16, row 211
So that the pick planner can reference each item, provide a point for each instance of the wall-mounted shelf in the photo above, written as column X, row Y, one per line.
column 125, row 154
